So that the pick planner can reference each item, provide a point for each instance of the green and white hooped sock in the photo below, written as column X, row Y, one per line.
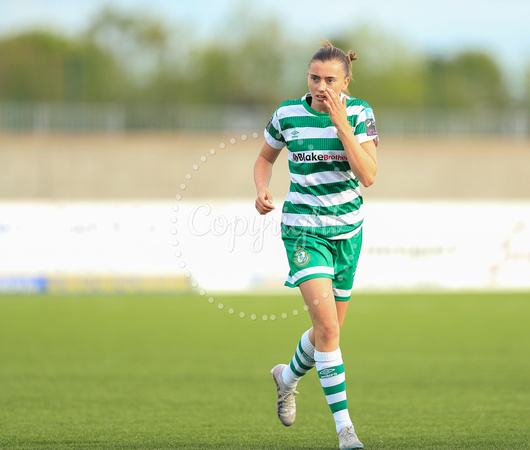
column 332, row 378
column 303, row 361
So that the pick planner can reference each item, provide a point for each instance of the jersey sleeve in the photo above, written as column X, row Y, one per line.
column 365, row 129
column 273, row 133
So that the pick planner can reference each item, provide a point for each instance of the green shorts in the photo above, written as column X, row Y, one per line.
column 312, row 256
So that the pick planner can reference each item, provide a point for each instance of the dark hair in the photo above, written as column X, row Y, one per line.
column 330, row 53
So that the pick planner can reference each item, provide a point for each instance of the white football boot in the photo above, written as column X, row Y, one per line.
column 286, row 404
column 348, row 439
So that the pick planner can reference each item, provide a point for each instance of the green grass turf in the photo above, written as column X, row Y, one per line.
column 424, row 371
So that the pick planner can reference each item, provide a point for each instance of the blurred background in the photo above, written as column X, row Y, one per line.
column 128, row 134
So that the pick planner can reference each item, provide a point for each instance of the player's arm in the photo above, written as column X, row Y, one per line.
column 262, row 176
column 362, row 157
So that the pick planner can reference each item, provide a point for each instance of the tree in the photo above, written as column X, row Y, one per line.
column 41, row 66
column 468, row 80
column 137, row 59
column 526, row 95
column 138, row 42
column 387, row 73
column 242, row 69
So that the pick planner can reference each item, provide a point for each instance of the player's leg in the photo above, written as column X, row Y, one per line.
column 308, row 256
column 318, row 297
column 347, row 436
column 342, row 308
column 347, row 254
column 327, row 316
column 287, row 376
column 305, row 351
column 311, row 263
column 303, row 361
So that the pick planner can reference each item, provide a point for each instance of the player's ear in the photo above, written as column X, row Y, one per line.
column 345, row 85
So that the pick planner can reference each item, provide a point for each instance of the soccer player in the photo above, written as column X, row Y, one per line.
column 331, row 140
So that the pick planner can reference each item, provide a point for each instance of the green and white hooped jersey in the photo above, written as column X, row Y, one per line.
column 324, row 197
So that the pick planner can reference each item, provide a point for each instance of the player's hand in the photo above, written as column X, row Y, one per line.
column 337, row 110
column 264, row 201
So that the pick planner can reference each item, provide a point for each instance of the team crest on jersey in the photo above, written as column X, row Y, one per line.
column 301, row 257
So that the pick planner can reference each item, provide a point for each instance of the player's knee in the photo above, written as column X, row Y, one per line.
column 328, row 330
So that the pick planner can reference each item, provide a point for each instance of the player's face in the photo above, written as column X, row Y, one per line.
column 322, row 75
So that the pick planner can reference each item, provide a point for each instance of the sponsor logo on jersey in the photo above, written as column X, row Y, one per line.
column 301, row 257
column 268, row 125
column 370, row 127
column 369, row 113
column 316, row 157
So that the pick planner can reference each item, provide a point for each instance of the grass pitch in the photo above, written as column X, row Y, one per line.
column 423, row 371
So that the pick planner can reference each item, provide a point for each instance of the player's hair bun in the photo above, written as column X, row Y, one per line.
column 352, row 56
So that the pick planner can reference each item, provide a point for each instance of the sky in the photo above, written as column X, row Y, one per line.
column 442, row 28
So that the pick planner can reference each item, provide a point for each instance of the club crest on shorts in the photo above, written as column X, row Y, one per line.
column 301, row 257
